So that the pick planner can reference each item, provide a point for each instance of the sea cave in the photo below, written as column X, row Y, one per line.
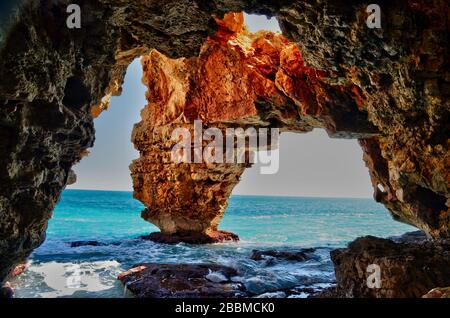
column 385, row 87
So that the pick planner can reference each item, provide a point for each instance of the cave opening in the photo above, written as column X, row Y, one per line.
column 312, row 164
column 106, row 165
column 322, row 191
column 103, row 174
column 339, row 160
column 256, row 22
column 190, row 201
column 46, row 180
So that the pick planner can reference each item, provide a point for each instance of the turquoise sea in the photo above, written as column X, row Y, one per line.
column 113, row 219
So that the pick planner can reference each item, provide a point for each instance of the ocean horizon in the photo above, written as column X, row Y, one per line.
column 112, row 218
column 244, row 195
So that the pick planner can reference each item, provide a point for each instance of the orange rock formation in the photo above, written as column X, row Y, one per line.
column 239, row 79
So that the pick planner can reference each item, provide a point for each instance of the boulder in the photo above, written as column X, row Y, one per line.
column 294, row 255
column 6, row 291
column 86, row 243
column 151, row 280
column 405, row 269
column 192, row 238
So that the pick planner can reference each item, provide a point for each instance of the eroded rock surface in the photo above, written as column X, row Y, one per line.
column 407, row 270
column 299, row 255
column 182, row 281
column 238, row 80
column 438, row 292
column 192, row 237
column 53, row 81
column 370, row 84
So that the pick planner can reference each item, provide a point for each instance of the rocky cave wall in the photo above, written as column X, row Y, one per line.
column 54, row 80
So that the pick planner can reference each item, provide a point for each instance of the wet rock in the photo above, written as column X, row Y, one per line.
column 406, row 269
column 86, row 243
column 192, row 238
column 153, row 280
column 302, row 292
column 298, row 292
column 409, row 237
column 19, row 269
column 438, row 293
column 216, row 277
column 276, row 294
column 6, row 291
column 299, row 256
column 330, row 292
column 91, row 243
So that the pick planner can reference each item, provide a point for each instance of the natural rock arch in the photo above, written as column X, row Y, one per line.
column 239, row 80
column 400, row 72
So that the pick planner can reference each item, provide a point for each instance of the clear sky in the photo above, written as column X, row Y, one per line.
column 311, row 164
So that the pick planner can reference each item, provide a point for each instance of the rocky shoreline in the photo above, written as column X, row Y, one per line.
column 209, row 280
column 411, row 266
column 192, row 238
column 407, row 268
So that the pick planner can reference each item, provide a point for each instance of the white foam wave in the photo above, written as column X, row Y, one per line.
column 66, row 279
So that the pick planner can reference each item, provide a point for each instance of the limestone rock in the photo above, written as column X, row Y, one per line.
column 406, row 269
column 6, row 291
column 51, row 79
column 192, row 238
column 239, row 79
column 438, row 293
column 300, row 255
column 181, row 281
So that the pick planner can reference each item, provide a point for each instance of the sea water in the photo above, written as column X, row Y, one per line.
column 113, row 219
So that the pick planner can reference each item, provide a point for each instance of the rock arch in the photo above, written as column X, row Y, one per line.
column 239, row 79
column 396, row 83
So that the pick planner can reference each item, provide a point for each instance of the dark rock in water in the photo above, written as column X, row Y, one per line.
column 151, row 280
column 409, row 237
column 406, row 269
column 299, row 255
column 330, row 292
column 194, row 238
column 91, row 243
column 274, row 294
column 304, row 292
column 295, row 292
column 86, row 243
column 6, row 291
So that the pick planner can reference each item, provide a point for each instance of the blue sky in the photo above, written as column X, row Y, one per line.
column 311, row 164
